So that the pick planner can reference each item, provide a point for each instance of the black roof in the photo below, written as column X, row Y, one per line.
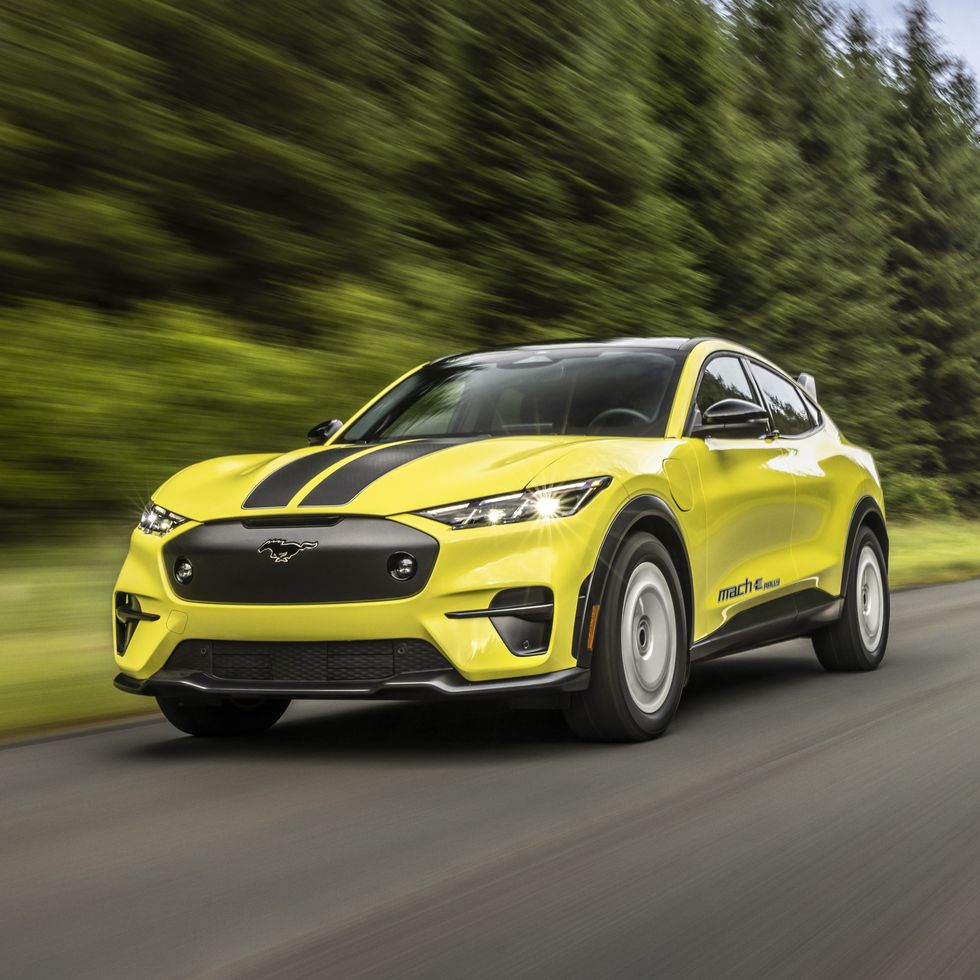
column 651, row 343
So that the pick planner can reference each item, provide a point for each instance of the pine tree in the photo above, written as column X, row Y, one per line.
column 826, row 306
column 693, row 84
column 930, row 185
column 550, row 192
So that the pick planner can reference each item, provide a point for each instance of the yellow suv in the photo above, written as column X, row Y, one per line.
column 577, row 522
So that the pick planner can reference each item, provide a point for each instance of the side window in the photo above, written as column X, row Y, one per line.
column 724, row 377
column 816, row 416
column 789, row 414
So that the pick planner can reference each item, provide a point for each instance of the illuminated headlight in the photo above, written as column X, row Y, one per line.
column 158, row 520
column 533, row 504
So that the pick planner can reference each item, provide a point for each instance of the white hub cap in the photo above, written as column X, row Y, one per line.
column 648, row 637
column 870, row 599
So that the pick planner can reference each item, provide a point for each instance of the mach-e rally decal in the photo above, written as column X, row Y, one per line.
column 746, row 587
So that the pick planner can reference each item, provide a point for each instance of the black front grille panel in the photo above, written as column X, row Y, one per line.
column 335, row 559
column 353, row 661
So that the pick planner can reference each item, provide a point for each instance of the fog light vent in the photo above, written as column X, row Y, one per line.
column 402, row 566
column 124, row 629
column 524, row 623
column 129, row 614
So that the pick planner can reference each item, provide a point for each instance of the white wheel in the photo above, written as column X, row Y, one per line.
column 871, row 599
column 648, row 637
column 857, row 640
column 640, row 657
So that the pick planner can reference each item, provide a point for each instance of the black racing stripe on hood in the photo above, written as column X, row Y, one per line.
column 344, row 485
column 277, row 489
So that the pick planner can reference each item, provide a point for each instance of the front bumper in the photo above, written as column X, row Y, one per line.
column 471, row 569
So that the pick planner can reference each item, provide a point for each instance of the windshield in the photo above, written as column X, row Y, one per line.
column 554, row 391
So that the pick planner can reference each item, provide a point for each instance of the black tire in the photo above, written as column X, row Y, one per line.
column 853, row 642
column 609, row 711
column 228, row 718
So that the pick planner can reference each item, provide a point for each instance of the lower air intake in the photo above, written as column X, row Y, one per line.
column 348, row 661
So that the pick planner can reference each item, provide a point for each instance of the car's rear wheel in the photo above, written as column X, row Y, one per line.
column 228, row 718
column 639, row 662
column 857, row 640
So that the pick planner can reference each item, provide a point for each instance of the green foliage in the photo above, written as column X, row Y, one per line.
column 912, row 495
column 224, row 222
column 99, row 408
column 930, row 186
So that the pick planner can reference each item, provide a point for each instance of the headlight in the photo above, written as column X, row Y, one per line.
column 158, row 520
column 533, row 504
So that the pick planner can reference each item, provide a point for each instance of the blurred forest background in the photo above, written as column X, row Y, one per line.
column 224, row 221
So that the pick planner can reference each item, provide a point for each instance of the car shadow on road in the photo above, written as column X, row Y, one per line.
column 384, row 731
column 475, row 729
column 749, row 676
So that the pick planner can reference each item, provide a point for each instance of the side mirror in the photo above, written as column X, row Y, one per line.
column 319, row 434
column 733, row 418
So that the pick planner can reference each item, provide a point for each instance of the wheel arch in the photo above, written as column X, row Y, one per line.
column 868, row 514
column 643, row 513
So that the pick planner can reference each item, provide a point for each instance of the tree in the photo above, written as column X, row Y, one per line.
column 551, row 190
column 370, row 183
column 932, row 196
column 825, row 304
column 692, row 87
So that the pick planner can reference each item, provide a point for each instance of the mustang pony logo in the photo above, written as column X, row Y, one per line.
column 281, row 551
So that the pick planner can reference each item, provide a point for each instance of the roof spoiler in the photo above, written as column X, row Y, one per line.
column 806, row 382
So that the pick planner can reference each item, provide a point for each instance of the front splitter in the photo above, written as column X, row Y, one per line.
column 435, row 685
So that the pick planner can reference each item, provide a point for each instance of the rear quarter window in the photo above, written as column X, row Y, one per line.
column 789, row 411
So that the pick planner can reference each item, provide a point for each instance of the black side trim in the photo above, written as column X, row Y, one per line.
column 778, row 619
column 277, row 489
column 344, row 485
column 634, row 510
column 583, row 596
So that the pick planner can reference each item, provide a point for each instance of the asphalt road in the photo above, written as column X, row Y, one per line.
column 792, row 824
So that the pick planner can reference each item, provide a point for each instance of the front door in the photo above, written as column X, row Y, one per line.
column 749, row 496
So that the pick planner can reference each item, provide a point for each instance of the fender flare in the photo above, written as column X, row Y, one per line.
column 592, row 592
column 866, row 511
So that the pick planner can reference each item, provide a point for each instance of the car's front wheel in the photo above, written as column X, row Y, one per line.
column 228, row 718
column 639, row 661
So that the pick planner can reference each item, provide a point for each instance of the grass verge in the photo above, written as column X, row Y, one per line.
column 56, row 664
column 930, row 552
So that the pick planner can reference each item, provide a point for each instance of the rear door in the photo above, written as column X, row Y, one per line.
column 816, row 550
column 749, row 496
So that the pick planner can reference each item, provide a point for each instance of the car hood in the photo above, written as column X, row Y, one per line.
column 386, row 479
